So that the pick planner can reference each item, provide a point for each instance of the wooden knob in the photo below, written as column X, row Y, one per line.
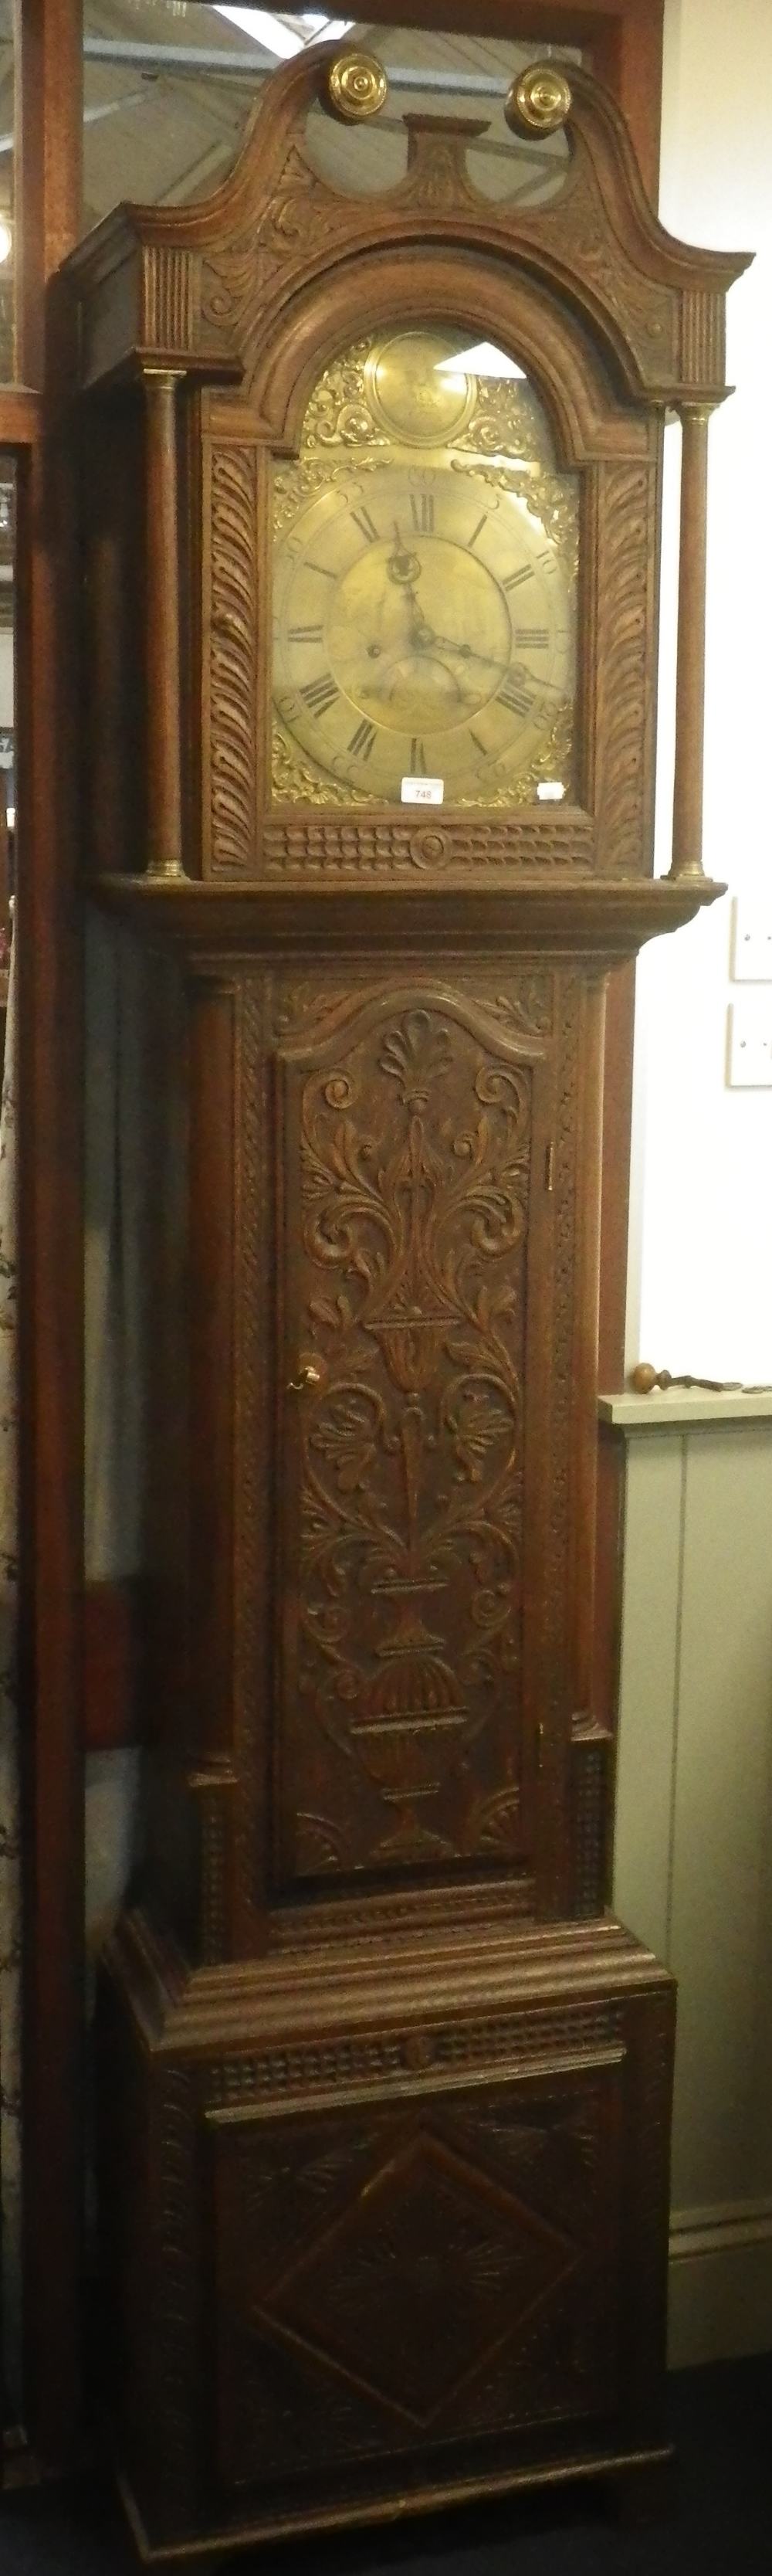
column 644, row 1378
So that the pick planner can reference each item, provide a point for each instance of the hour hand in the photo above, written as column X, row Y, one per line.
column 402, row 566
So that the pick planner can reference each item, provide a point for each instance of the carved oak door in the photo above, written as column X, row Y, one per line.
column 414, row 1330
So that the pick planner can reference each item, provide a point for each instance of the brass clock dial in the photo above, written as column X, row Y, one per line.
column 423, row 602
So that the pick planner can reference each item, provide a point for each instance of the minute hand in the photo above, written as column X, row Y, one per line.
column 468, row 652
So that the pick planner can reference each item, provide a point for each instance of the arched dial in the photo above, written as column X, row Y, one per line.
column 422, row 628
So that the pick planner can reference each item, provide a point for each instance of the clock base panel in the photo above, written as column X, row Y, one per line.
column 370, row 2257
column 640, row 2483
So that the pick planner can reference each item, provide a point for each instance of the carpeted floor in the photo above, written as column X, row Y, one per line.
column 720, row 2524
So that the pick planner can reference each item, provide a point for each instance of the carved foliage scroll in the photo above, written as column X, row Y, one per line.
column 409, row 1148
column 305, row 218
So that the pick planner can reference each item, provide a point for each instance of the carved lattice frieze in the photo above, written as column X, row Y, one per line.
column 324, row 846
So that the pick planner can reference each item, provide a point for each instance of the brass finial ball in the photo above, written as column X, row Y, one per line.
column 538, row 102
column 357, row 87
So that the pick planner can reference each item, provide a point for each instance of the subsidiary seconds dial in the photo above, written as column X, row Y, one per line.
column 422, row 628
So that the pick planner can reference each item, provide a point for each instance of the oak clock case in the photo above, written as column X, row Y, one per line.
column 385, row 2089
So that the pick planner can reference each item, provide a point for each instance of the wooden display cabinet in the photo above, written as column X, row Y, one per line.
column 385, row 2089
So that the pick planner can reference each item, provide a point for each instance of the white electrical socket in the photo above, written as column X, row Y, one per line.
column 749, row 1047
column 751, row 940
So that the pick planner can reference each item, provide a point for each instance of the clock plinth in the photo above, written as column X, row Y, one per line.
column 384, row 2089
column 412, row 2213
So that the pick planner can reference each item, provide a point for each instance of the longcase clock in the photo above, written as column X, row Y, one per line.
column 371, row 500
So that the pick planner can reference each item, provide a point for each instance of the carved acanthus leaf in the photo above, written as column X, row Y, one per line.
column 647, row 311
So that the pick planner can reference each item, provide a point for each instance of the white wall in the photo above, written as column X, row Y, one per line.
column 701, row 1231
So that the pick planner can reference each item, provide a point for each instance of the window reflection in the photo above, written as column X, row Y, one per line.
column 169, row 90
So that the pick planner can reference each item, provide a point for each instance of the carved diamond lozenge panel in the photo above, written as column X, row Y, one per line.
column 372, row 2293
column 384, row 2272
column 408, row 1155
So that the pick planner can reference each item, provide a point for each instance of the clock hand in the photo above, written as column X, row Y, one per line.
column 402, row 567
column 405, row 570
column 426, row 639
column 413, row 635
column 469, row 652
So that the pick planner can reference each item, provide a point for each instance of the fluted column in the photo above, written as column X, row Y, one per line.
column 164, row 786
column 690, row 671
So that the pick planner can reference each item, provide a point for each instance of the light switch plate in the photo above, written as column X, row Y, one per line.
column 751, row 940
column 749, row 1043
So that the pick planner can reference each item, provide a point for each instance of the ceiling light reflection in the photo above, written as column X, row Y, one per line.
column 483, row 360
